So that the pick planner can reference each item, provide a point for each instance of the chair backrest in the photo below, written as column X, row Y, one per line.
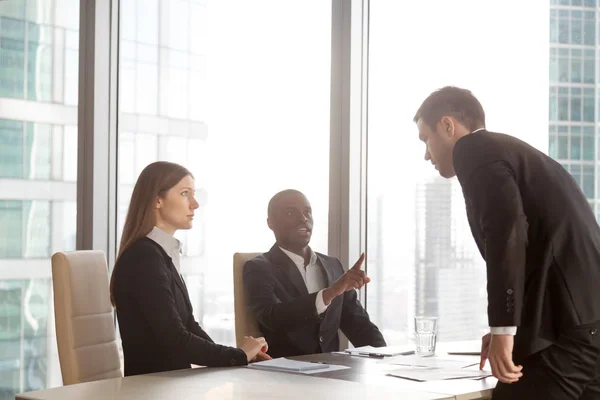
column 245, row 323
column 85, row 330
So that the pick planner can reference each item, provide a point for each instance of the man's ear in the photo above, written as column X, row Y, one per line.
column 269, row 223
column 447, row 126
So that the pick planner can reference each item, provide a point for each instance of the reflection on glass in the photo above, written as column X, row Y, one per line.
column 38, row 170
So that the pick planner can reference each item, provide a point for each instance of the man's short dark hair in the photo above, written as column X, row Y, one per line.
column 454, row 102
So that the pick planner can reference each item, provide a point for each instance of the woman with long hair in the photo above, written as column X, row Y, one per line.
column 158, row 329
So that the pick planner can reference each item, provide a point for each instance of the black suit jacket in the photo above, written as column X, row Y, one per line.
column 538, row 235
column 286, row 312
column 158, row 329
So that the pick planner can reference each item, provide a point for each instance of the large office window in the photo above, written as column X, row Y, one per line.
column 238, row 92
column 422, row 258
column 38, row 171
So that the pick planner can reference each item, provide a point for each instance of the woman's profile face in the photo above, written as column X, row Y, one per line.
column 176, row 209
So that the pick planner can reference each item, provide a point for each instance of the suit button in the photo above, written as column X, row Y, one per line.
column 593, row 332
column 232, row 361
column 321, row 339
column 509, row 291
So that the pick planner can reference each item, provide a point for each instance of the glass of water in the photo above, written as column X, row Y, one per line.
column 425, row 335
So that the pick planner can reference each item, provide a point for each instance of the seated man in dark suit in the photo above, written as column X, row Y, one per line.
column 301, row 298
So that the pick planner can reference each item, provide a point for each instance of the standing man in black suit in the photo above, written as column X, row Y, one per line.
column 541, row 243
column 301, row 298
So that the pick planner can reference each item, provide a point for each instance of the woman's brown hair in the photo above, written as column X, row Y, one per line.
column 154, row 181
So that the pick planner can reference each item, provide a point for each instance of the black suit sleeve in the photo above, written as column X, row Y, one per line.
column 152, row 292
column 268, row 309
column 195, row 328
column 192, row 325
column 496, row 202
column 355, row 322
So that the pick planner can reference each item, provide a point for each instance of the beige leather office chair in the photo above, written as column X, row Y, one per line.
column 245, row 324
column 85, row 330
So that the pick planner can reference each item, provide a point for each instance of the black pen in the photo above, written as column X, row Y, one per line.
column 359, row 354
column 319, row 362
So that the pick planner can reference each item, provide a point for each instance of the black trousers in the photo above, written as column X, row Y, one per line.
column 567, row 370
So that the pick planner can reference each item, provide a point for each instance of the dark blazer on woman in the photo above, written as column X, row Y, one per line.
column 158, row 329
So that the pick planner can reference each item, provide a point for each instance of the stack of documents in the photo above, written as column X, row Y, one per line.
column 287, row 365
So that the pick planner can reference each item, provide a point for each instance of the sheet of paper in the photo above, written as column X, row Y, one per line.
column 385, row 351
column 304, row 367
column 435, row 362
column 423, row 374
column 330, row 368
column 284, row 364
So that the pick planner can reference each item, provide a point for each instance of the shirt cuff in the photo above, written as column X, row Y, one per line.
column 503, row 330
column 319, row 303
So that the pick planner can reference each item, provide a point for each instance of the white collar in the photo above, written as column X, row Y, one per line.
column 299, row 260
column 170, row 244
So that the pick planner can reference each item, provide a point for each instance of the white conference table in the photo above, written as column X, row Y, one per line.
column 366, row 378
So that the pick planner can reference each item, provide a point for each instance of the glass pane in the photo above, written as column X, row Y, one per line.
column 563, row 108
column 588, row 181
column 37, row 149
column 553, row 69
column 563, row 147
column 576, row 70
column 576, row 173
column 563, row 30
column 177, row 28
column 11, row 228
column 553, row 30
column 563, row 69
column 589, row 33
column 225, row 101
column 588, row 109
column 576, row 27
column 146, row 88
column 576, row 109
column 553, row 111
column 11, row 148
column 36, row 220
column 552, row 150
column 589, row 71
column 147, row 21
column 575, row 147
column 421, row 256
column 39, row 58
column 39, row 62
column 12, row 55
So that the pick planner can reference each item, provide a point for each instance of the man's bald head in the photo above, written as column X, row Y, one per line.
column 290, row 219
column 277, row 199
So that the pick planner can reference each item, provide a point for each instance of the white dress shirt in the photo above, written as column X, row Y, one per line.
column 500, row 330
column 170, row 244
column 313, row 276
